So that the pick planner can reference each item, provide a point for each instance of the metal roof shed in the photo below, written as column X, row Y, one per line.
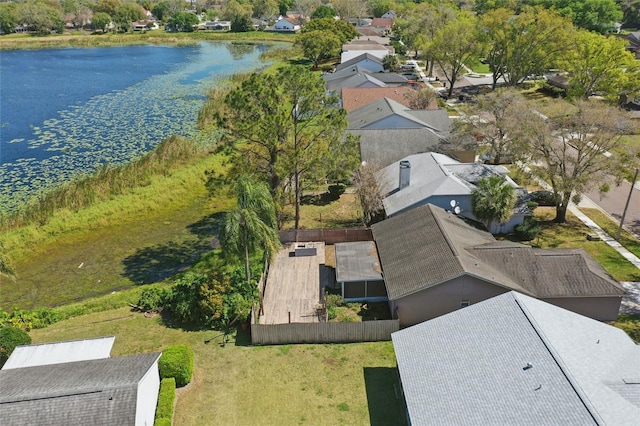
column 358, row 272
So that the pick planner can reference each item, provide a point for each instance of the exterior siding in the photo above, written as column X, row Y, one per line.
column 442, row 299
column 598, row 308
column 148, row 397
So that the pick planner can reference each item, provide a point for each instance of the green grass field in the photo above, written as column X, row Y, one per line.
column 238, row 384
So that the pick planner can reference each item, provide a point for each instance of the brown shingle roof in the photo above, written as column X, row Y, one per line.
column 426, row 246
column 355, row 97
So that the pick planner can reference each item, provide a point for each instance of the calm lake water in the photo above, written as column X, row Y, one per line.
column 68, row 111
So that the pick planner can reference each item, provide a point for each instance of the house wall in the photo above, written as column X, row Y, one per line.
column 598, row 308
column 147, row 400
column 442, row 299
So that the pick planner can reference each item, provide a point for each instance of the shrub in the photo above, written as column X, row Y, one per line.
column 335, row 191
column 153, row 298
column 166, row 397
column 545, row 198
column 177, row 362
column 527, row 230
column 334, row 300
column 10, row 337
column 332, row 312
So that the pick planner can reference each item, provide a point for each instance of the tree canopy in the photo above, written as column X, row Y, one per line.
column 493, row 200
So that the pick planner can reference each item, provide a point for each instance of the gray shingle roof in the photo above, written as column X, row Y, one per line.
column 359, row 58
column 372, row 114
column 470, row 367
column 387, row 146
column 426, row 246
column 357, row 261
column 96, row 392
column 354, row 80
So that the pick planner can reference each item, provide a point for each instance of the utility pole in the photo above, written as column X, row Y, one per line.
column 626, row 206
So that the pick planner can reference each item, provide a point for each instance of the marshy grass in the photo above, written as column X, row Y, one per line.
column 106, row 182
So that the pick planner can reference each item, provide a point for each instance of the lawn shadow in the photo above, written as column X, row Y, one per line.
column 243, row 337
column 323, row 199
column 384, row 398
column 158, row 262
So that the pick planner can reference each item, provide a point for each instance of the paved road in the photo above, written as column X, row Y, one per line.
column 614, row 201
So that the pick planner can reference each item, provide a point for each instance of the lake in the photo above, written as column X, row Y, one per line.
column 68, row 111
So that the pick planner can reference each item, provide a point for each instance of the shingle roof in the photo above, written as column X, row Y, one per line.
column 374, row 113
column 336, row 81
column 426, row 246
column 386, row 146
column 472, row 367
column 359, row 58
column 96, row 392
column 355, row 97
column 357, row 261
column 355, row 80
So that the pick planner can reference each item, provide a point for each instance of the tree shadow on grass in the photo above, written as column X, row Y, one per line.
column 318, row 199
column 158, row 262
column 386, row 404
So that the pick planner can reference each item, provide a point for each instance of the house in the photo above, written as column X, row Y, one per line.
column 217, row 25
column 382, row 25
column 87, row 389
column 356, row 97
column 515, row 360
column 382, row 147
column 390, row 14
column 355, row 76
column 434, row 262
column 368, row 61
column 287, row 23
column 359, row 47
column 358, row 272
column 634, row 43
column 145, row 25
column 385, row 113
column 437, row 179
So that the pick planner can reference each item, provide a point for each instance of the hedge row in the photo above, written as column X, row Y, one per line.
column 166, row 397
column 177, row 362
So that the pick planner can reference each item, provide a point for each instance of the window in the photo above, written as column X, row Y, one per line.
column 464, row 303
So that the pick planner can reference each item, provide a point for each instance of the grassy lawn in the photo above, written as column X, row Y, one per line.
column 319, row 211
column 610, row 227
column 237, row 384
column 573, row 235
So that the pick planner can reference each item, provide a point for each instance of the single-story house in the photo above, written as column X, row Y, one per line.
column 515, row 360
column 437, row 179
column 385, row 113
column 356, row 97
column 217, row 25
column 390, row 14
column 359, row 47
column 435, row 262
column 383, row 25
column 287, row 24
column 365, row 60
column 358, row 272
column 95, row 391
column 354, row 76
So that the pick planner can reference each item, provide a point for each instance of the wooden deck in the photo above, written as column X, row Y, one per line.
column 292, row 291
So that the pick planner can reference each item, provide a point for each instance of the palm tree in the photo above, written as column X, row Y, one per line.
column 492, row 200
column 252, row 224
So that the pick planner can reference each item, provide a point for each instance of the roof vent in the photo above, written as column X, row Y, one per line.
column 528, row 366
column 405, row 174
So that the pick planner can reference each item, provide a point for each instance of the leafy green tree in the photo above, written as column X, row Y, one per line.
column 285, row 5
column 631, row 12
column 484, row 6
column 567, row 143
column 160, row 11
column 391, row 62
column 340, row 29
column 10, row 338
column 493, row 200
column 287, row 129
column 380, row 7
column 318, row 46
column 252, row 224
column 453, row 45
column 100, row 21
column 594, row 15
column 126, row 13
column 526, row 44
column 110, row 7
column 8, row 17
column 323, row 11
column 41, row 16
column 233, row 9
column 599, row 64
column 241, row 24
column 264, row 8
column 184, row 21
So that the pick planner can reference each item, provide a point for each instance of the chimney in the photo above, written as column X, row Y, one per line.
column 405, row 174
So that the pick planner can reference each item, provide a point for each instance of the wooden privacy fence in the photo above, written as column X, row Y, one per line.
column 328, row 236
column 323, row 332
